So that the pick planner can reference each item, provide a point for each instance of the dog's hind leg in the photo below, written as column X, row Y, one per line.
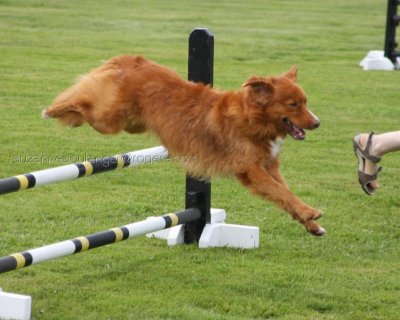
column 258, row 180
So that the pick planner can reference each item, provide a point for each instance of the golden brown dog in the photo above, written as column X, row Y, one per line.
column 228, row 133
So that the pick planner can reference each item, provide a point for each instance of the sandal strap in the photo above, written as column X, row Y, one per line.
column 365, row 178
column 366, row 154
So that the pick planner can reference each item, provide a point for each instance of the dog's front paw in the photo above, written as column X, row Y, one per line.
column 314, row 228
column 44, row 114
column 308, row 213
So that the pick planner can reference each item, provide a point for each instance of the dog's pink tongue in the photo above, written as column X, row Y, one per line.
column 297, row 133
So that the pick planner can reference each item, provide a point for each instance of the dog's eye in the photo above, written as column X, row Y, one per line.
column 293, row 105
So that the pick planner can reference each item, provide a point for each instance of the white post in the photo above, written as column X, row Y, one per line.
column 15, row 306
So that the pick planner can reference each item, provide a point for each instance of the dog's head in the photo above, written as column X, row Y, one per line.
column 281, row 101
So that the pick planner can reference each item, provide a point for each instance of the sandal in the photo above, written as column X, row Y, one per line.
column 365, row 179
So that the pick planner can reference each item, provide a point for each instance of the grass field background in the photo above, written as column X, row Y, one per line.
column 351, row 273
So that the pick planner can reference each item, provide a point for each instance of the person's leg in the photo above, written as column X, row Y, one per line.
column 382, row 143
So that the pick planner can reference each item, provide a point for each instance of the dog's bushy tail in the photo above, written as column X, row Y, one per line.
column 90, row 100
column 69, row 107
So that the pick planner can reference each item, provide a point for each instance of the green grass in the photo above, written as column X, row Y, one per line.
column 351, row 273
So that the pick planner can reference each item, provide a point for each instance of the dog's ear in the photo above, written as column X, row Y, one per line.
column 291, row 74
column 262, row 89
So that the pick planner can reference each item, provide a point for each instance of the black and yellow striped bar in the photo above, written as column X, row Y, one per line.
column 103, row 165
column 81, row 244
column 83, row 169
column 20, row 182
column 100, row 239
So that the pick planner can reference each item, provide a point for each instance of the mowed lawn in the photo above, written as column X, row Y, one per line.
column 351, row 273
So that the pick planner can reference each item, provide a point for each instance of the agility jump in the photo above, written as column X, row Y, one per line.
column 194, row 224
column 195, row 220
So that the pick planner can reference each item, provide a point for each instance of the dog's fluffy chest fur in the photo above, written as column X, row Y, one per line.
column 276, row 146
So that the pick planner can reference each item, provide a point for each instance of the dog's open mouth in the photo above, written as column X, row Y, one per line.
column 296, row 132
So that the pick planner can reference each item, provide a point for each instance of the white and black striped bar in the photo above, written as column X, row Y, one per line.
column 81, row 244
column 83, row 169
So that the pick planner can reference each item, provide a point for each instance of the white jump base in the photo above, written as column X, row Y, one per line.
column 215, row 234
column 376, row 60
column 15, row 306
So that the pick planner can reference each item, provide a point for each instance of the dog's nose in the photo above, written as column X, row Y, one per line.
column 316, row 124
column 315, row 121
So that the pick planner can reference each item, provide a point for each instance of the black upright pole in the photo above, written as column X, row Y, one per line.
column 200, row 69
column 392, row 21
